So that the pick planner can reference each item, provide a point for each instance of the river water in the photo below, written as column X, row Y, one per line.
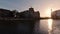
column 43, row 26
column 47, row 26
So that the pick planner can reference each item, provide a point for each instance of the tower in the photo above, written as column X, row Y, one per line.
column 31, row 9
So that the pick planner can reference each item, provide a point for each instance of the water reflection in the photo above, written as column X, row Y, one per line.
column 50, row 21
column 56, row 27
column 46, row 26
column 50, row 26
column 17, row 27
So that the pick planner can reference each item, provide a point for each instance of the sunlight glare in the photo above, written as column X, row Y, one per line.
column 48, row 12
column 49, row 25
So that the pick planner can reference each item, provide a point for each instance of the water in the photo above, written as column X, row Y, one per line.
column 43, row 26
column 49, row 26
column 16, row 27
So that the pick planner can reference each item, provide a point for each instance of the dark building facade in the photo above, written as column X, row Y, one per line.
column 29, row 14
column 56, row 14
column 5, row 13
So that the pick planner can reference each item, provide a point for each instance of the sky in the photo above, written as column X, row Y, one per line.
column 43, row 6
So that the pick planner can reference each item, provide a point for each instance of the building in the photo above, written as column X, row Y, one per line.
column 5, row 13
column 29, row 14
column 56, row 14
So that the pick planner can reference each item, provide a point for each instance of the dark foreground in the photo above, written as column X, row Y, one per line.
column 16, row 26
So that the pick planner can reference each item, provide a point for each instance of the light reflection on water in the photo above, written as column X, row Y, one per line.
column 50, row 25
column 46, row 26
column 56, row 27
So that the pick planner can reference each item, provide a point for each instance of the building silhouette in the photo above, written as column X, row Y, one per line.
column 27, row 14
column 5, row 13
column 55, row 14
